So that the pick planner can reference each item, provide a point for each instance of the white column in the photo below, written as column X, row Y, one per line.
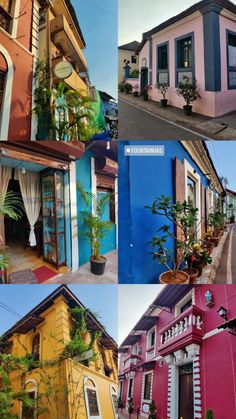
column 194, row 353
column 74, row 219
column 93, row 180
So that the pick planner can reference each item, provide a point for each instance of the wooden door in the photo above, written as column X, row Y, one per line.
column 186, row 391
column 144, row 79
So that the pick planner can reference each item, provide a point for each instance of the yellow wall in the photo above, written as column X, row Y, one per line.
column 125, row 55
column 65, row 377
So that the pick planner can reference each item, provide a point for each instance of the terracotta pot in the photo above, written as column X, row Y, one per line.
column 181, row 277
column 215, row 240
column 193, row 274
column 163, row 103
column 199, row 265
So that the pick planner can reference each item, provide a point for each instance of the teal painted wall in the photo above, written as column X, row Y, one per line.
column 109, row 242
column 83, row 176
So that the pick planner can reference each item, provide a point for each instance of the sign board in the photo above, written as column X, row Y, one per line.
column 63, row 70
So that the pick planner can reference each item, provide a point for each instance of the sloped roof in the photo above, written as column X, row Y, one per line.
column 202, row 6
column 75, row 19
column 230, row 191
column 92, row 322
column 131, row 46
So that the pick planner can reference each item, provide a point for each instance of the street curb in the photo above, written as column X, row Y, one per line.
column 170, row 114
column 209, row 272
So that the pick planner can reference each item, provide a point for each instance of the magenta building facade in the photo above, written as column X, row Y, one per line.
column 182, row 354
column 199, row 43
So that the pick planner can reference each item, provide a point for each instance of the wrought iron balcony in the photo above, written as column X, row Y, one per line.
column 5, row 20
column 185, row 329
column 131, row 362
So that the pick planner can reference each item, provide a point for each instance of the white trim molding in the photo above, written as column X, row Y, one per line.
column 146, row 401
column 6, row 103
column 94, row 388
column 184, row 300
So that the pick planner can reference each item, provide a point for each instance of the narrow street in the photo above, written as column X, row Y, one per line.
column 138, row 124
column 226, row 272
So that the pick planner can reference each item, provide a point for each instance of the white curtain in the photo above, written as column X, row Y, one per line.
column 5, row 175
column 31, row 194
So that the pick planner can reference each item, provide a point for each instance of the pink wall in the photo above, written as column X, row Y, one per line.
column 211, row 103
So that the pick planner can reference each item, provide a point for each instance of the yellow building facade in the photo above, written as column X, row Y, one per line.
column 61, row 39
column 65, row 387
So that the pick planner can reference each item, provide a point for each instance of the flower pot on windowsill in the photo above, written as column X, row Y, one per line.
column 187, row 110
column 171, row 277
column 97, row 266
column 163, row 103
column 193, row 274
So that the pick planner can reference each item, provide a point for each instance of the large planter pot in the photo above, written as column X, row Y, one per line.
column 199, row 265
column 193, row 274
column 181, row 277
column 187, row 109
column 145, row 97
column 97, row 267
column 215, row 240
column 135, row 94
column 163, row 103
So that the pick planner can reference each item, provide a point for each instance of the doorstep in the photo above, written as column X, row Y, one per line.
column 220, row 128
column 209, row 271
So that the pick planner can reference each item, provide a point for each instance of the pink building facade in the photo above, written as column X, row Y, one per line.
column 182, row 354
column 199, row 43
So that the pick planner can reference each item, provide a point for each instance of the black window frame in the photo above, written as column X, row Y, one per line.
column 160, row 69
column 178, row 68
column 230, row 68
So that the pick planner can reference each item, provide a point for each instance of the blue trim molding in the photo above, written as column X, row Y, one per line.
column 159, row 70
column 184, row 69
column 212, row 61
column 229, row 68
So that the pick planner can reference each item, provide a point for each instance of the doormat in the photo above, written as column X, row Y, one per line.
column 22, row 277
column 44, row 273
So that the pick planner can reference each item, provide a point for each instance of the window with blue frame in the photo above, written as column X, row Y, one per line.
column 184, row 58
column 231, row 46
column 162, row 64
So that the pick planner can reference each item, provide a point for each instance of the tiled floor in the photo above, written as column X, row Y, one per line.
column 84, row 276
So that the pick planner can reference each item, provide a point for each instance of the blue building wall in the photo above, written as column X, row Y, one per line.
column 83, row 176
column 141, row 180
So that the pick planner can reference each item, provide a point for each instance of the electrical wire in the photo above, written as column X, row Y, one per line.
column 100, row 8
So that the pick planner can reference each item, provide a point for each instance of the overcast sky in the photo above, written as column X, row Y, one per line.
column 138, row 16
column 133, row 301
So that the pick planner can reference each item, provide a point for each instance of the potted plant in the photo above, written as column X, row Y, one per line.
column 163, row 87
column 216, row 222
column 128, row 88
column 121, row 404
column 130, row 406
column 95, row 228
column 146, row 91
column 200, row 259
column 135, row 90
column 184, row 218
column 189, row 91
column 152, row 410
column 209, row 414
column 121, row 86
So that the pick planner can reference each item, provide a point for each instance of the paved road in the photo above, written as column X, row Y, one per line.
column 226, row 272
column 137, row 124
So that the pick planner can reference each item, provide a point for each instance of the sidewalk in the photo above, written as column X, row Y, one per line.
column 220, row 128
column 84, row 275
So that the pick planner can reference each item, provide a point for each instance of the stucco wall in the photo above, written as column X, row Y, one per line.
column 125, row 55
column 141, row 180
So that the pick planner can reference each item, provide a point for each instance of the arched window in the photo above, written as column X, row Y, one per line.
column 91, row 399
column 114, row 400
column 3, row 74
column 31, row 388
column 36, row 347
column 144, row 62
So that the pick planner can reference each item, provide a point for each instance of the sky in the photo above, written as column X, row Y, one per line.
column 138, row 16
column 101, row 299
column 133, row 301
column 99, row 24
column 223, row 154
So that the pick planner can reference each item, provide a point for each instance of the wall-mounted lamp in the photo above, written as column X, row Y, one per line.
column 223, row 313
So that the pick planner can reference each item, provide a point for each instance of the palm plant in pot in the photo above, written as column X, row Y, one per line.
column 189, row 91
column 95, row 228
column 162, row 87
column 152, row 410
column 183, row 217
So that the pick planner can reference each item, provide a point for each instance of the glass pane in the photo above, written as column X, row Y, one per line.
column 163, row 78
column 147, row 387
column 92, row 401
column 59, row 186
column 184, row 51
column 2, row 84
column 162, row 58
column 232, row 78
column 115, row 403
column 61, row 248
column 183, row 74
column 191, row 190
